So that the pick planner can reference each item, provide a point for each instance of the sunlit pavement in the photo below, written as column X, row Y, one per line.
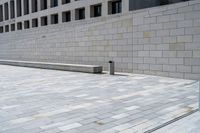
column 49, row 101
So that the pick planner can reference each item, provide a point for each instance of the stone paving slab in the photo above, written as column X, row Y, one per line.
column 49, row 101
column 190, row 124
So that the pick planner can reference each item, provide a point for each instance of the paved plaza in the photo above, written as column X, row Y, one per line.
column 49, row 101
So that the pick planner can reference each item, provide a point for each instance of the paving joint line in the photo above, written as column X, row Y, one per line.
column 171, row 121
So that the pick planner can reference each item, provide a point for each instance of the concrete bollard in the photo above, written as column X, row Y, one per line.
column 111, row 67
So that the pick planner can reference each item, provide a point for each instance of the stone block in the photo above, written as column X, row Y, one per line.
column 169, row 68
column 185, row 69
column 176, row 61
column 155, row 53
column 177, row 32
column 186, row 38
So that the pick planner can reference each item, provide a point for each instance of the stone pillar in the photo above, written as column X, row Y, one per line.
column 59, row 2
column 49, row 19
column 38, row 5
column 59, row 17
column 48, row 4
column 30, row 6
column 125, row 6
column 15, row 5
column 22, row 6
column 87, row 12
column 105, row 8
column 73, row 15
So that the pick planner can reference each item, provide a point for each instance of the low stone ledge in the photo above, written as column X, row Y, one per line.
column 55, row 66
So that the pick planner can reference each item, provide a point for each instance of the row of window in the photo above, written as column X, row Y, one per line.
column 95, row 11
column 34, row 7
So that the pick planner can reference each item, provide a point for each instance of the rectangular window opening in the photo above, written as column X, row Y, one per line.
column 26, row 7
column 12, row 9
column 54, row 19
column 43, row 4
column 65, row 1
column 114, row 6
column 54, row 3
column 1, row 29
column 6, row 11
column 80, row 13
column 7, row 28
column 12, row 27
column 34, row 22
column 95, row 10
column 19, row 8
column 66, row 16
column 19, row 26
column 26, row 24
column 34, row 6
column 44, row 21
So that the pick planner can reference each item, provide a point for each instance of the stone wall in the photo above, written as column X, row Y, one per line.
column 161, row 41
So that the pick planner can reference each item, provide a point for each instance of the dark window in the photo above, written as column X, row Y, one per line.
column 26, row 7
column 116, row 7
column 26, row 24
column 80, row 13
column 44, row 21
column 12, row 9
column 54, row 3
column 43, row 4
column 140, row 4
column 1, row 13
column 7, row 28
column 54, row 19
column 19, row 26
column 6, row 11
column 1, row 29
column 34, row 6
column 19, row 8
column 95, row 10
column 65, row 1
column 12, row 27
column 66, row 16
column 35, row 22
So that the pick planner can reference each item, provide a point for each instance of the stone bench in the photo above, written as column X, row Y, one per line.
column 55, row 66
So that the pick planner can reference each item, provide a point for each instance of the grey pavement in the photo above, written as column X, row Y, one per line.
column 49, row 101
column 190, row 124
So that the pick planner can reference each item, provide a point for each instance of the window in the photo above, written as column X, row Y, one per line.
column 65, row 1
column 140, row 4
column 114, row 7
column 43, row 4
column 6, row 11
column 19, row 26
column 19, row 8
column 80, row 13
column 54, row 3
column 95, row 10
column 66, row 16
column 1, row 29
column 7, row 28
column 26, row 7
column 54, row 19
column 12, row 9
column 26, row 24
column 12, row 27
column 34, row 6
column 35, row 22
column 1, row 13
column 44, row 21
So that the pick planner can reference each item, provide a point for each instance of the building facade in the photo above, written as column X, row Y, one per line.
column 159, row 37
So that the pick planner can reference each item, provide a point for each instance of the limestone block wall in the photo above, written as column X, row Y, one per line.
column 161, row 41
